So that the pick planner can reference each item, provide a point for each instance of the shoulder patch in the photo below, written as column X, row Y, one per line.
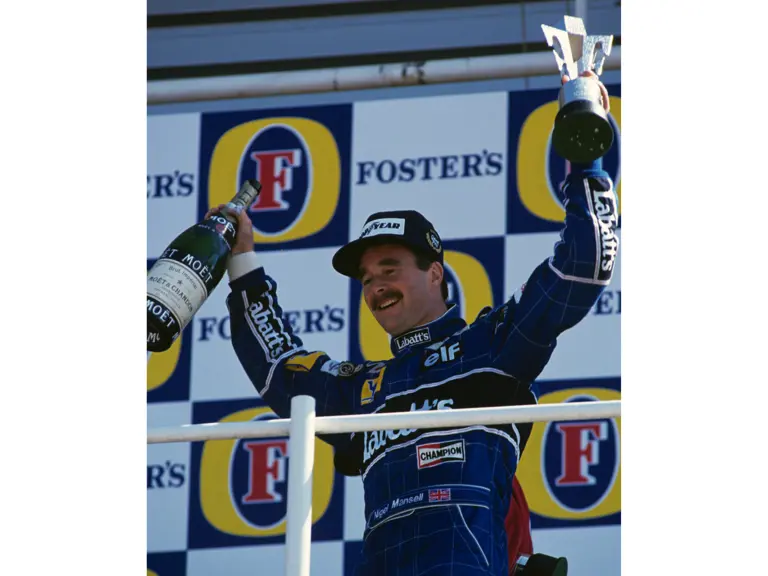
column 303, row 362
column 347, row 369
column 370, row 387
column 331, row 367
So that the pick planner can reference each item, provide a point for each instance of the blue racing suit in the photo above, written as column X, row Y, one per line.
column 436, row 499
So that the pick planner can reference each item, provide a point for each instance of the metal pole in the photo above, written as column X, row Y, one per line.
column 581, row 11
column 391, row 421
column 301, row 449
column 358, row 77
column 470, row 417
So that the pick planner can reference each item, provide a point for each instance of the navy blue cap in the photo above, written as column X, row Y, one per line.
column 405, row 227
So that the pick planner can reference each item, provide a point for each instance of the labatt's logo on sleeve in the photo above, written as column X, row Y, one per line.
column 571, row 470
column 541, row 172
column 244, row 483
column 269, row 329
column 469, row 286
column 298, row 164
column 603, row 203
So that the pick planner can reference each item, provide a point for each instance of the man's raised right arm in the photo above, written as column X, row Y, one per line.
column 272, row 355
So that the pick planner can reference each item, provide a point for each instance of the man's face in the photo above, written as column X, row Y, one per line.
column 397, row 292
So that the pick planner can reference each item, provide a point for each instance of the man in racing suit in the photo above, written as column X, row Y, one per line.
column 435, row 499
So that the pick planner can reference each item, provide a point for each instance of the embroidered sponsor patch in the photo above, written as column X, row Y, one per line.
column 436, row 453
column 303, row 362
column 604, row 208
column 331, row 367
column 440, row 495
column 446, row 353
column 370, row 387
column 421, row 336
column 349, row 369
column 268, row 329
column 384, row 226
column 434, row 241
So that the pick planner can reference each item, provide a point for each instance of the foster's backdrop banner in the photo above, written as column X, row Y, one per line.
column 482, row 169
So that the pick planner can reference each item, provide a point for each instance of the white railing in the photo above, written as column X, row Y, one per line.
column 360, row 77
column 303, row 425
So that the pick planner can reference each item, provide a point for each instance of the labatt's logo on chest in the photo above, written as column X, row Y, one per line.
column 421, row 336
column 376, row 441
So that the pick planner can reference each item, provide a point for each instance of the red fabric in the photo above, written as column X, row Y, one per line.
column 518, row 525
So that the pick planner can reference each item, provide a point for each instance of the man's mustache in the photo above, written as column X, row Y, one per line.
column 389, row 294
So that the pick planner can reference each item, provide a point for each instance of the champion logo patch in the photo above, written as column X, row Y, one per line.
column 431, row 455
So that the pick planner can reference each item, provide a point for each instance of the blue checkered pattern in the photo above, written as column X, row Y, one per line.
column 215, row 508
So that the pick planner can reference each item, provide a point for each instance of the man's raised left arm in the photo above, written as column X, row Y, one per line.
column 563, row 288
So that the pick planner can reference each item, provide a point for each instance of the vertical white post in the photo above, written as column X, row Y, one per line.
column 298, row 533
column 581, row 11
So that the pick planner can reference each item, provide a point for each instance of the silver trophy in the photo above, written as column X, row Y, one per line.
column 582, row 131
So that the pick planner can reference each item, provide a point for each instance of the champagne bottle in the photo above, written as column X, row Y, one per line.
column 188, row 271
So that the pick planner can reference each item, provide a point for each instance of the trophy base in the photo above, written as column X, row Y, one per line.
column 582, row 132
